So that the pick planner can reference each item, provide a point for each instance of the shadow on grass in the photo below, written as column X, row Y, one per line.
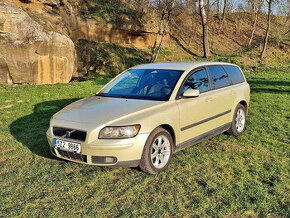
column 266, row 86
column 267, row 82
column 31, row 130
column 269, row 90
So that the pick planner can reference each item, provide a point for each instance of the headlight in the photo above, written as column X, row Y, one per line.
column 119, row 132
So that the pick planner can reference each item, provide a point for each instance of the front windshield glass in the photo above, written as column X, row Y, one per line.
column 151, row 84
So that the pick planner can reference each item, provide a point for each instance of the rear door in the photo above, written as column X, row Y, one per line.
column 222, row 96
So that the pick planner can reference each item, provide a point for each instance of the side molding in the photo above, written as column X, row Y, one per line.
column 205, row 120
column 203, row 136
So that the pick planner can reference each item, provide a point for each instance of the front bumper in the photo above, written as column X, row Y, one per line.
column 104, row 152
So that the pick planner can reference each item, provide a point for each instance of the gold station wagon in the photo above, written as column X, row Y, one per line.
column 150, row 111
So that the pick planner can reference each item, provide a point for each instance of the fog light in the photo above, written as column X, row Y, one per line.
column 103, row 160
column 109, row 159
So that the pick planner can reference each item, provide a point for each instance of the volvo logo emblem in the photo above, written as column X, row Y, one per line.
column 67, row 133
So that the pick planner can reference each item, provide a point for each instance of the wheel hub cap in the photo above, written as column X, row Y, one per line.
column 160, row 151
column 240, row 120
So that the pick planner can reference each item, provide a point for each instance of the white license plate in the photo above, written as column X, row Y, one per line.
column 68, row 146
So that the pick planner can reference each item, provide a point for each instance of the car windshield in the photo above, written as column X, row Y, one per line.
column 151, row 84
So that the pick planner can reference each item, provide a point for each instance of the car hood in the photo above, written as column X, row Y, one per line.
column 101, row 110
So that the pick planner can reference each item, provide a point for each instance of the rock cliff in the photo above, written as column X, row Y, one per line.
column 30, row 53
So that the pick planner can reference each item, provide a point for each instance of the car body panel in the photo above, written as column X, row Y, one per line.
column 100, row 110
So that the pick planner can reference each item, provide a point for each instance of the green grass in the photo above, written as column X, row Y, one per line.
column 222, row 176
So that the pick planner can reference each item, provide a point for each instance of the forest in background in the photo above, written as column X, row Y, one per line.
column 209, row 29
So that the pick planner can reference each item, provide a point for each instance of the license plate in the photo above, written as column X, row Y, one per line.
column 68, row 146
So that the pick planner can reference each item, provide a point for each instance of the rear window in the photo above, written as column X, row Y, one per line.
column 235, row 74
column 219, row 76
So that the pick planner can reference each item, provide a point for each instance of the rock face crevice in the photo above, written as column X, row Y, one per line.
column 31, row 54
column 5, row 77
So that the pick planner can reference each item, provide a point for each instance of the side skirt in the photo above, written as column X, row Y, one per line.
column 203, row 136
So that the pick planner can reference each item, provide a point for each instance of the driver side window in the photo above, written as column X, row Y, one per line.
column 198, row 80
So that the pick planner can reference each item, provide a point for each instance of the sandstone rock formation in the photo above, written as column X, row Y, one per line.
column 29, row 53
column 63, row 16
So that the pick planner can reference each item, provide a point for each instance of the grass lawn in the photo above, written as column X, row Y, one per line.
column 222, row 176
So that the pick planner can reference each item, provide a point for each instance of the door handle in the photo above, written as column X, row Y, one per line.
column 208, row 99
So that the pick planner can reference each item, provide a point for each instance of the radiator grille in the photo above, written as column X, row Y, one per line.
column 69, row 133
column 73, row 155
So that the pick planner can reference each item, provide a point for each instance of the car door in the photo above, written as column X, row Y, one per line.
column 222, row 96
column 193, row 112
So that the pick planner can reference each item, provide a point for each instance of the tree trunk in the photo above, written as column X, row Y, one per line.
column 224, row 14
column 156, row 37
column 194, row 6
column 254, row 29
column 206, row 51
column 153, row 58
column 208, row 8
column 268, row 28
column 161, row 40
column 218, row 9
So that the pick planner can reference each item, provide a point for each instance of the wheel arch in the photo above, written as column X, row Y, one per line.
column 171, row 131
column 244, row 103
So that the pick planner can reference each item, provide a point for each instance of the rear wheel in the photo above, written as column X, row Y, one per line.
column 157, row 152
column 239, row 121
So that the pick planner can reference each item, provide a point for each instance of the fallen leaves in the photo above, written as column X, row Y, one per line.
column 7, row 106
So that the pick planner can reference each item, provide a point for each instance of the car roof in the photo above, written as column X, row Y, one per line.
column 178, row 65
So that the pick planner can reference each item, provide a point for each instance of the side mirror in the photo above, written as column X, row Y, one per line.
column 191, row 93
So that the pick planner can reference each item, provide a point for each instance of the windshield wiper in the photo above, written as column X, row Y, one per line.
column 117, row 96
column 128, row 96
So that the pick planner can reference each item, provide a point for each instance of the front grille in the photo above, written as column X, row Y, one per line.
column 72, row 155
column 69, row 133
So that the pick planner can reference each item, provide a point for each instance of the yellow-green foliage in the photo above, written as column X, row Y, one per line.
column 107, row 58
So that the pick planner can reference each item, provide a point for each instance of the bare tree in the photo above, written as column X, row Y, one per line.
column 254, row 8
column 157, row 35
column 224, row 14
column 269, row 2
column 206, row 51
column 194, row 6
column 218, row 8
column 155, row 50
column 208, row 8
column 253, row 29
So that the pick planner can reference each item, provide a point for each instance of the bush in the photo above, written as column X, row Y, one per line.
column 107, row 58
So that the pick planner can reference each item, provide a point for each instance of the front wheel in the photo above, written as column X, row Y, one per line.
column 239, row 121
column 157, row 152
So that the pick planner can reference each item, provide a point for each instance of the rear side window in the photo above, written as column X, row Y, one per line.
column 235, row 74
column 197, row 80
column 219, row 76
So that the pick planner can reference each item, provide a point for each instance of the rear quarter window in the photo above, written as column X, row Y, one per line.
column 235, row 74
column 219, row 76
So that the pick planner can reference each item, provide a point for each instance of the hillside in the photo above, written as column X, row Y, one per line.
column 110, row 37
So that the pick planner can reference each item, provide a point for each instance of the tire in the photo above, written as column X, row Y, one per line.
column 238, row 125
column 158, row 147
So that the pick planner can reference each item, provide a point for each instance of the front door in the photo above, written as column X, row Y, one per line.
column 194, row 112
